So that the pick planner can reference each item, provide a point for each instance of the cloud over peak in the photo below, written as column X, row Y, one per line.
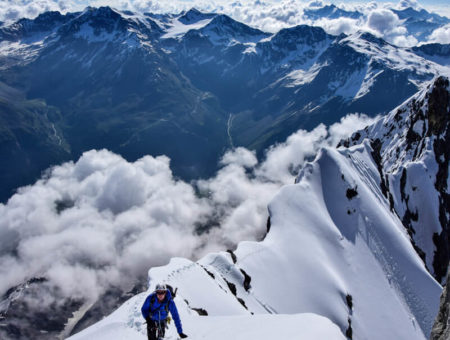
column 269, row 15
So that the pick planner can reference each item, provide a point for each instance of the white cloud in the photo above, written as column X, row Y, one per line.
column 338, row 26
column 347, row 125
column 103, row 221
column 283, row 160
column 114, row 210
column 240, row 156
column 386, row 24
column 383, row 20
column 404, row 41
column 440, row 35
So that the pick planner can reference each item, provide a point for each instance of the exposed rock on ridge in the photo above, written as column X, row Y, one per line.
column 441, row 328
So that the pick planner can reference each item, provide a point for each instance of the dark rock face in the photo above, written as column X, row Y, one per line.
column 439, row 120
column 438, row 107
column 441, row 328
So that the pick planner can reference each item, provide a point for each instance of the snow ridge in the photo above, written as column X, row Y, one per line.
column 337, row 258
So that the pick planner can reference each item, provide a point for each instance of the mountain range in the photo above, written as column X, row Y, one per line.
column 369, row 213
column 128, row 82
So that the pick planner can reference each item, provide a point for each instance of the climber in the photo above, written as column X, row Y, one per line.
column 156, row 311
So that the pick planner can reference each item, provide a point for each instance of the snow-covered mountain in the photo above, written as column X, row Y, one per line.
column 126, row 81
column 345, row 248
column 191, row 85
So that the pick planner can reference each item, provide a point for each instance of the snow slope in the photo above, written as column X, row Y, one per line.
column 336, row 263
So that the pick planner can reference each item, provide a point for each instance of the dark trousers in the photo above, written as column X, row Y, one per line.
column 156, row 329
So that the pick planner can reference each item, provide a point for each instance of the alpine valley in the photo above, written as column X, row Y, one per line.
column 130, row 83
column 357, row 248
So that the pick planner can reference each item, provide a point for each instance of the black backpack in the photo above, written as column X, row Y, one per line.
column 172, row 291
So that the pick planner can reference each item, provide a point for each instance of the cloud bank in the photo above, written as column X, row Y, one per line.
column 268, row 15
column 441, row 35
column 103, row 221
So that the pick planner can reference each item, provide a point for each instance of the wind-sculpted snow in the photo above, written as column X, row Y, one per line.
column 346, row 260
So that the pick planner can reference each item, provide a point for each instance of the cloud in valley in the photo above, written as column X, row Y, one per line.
column 103, row 221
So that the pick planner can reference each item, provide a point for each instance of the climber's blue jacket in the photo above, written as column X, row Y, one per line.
column 159, row 311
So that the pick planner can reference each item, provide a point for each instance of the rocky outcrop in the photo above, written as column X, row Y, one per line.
column 441, row 328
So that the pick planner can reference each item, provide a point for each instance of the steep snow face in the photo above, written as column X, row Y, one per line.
column 336, row 254
column 411, row 149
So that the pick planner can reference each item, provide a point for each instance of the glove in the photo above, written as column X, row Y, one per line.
column 182, row 335
column 147, row 319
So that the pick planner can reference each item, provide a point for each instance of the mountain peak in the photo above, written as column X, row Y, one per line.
column 300, row 34
column 23, row 28
column 193, row 16
column 373, row 38
column 103, row 11
column 98, row 18
column 224, row 26
column 48, row 16
column 330, row 11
